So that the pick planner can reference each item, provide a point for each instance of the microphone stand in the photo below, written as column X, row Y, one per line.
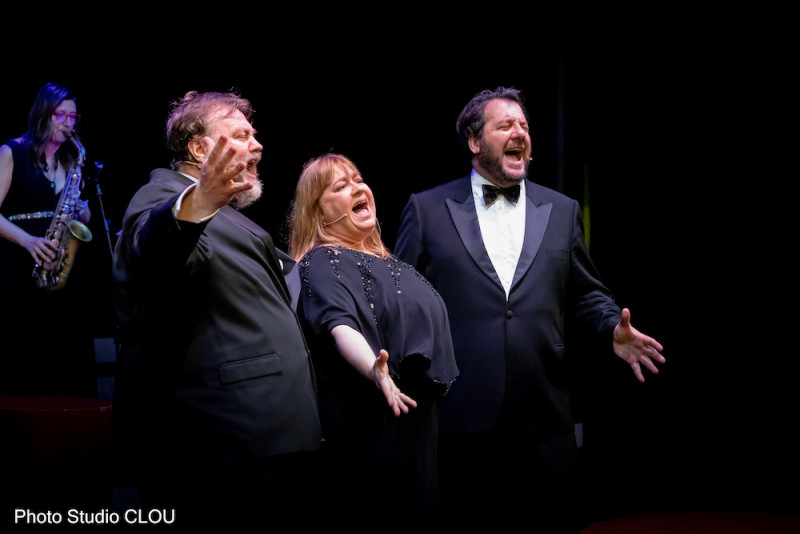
column 115, row 325
column 99, row 166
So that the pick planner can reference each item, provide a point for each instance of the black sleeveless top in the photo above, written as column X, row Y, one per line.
column 30, row 189
column 44, row 340
column 30, row 192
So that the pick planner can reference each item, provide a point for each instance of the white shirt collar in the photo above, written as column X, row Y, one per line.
column 502, row 228
column 479, row 181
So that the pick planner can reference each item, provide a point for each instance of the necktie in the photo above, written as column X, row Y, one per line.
column 492, row 192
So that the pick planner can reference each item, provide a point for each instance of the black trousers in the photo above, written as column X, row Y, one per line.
column 382, row 478
column 506, row 478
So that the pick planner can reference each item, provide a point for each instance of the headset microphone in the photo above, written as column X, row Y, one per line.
column 337, row 220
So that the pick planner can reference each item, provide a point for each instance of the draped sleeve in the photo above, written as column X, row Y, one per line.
column 390, row 304
column 330, row 296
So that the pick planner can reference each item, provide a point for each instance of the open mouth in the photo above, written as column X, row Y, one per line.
column 361, row 208
column 515, row 153
column 252, row 166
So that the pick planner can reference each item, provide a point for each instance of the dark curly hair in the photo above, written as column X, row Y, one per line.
column 470, row 121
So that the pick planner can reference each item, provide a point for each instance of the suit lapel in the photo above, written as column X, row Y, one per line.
column 269, row 246
column 278, row 267
column 465, row 219
column 536, row 218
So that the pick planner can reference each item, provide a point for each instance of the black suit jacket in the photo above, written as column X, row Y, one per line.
column 211, row 347
column 513, row 350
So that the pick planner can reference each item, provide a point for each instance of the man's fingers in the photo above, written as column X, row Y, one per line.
column 625, row 319
column 220, row 156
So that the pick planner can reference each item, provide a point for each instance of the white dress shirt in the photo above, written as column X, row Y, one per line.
column 503, row 229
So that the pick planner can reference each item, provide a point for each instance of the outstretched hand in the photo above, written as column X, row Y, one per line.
column 354, row 348
column 398, row 401
column 636, row 348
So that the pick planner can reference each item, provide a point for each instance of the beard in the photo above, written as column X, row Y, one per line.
column 493, row 164
column 243, row 199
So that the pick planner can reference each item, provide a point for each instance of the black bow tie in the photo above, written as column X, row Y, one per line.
column 491, row 192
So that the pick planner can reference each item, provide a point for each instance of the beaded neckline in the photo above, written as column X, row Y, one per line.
column 365, row 263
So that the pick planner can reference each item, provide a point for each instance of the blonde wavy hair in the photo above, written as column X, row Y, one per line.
column 306, row 222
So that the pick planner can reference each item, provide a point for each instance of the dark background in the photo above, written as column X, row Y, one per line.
column 656, row 121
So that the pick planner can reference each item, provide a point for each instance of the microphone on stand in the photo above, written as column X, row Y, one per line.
column 99, row 166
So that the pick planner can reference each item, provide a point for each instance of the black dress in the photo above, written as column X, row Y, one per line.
column 371, row 459
column 45, row 343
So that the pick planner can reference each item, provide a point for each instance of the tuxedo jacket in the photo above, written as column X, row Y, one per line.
column 510, row 352
column 213, row 362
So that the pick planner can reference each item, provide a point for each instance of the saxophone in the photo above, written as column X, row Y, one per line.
column 65, row 231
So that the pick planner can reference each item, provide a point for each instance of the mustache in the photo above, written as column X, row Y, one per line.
column 516, row 146
column 252, row 167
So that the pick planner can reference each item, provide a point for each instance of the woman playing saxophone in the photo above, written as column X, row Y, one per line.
column 34, row 169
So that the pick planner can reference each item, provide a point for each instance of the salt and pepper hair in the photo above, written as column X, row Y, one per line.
column 192, row 116
column 471, row 121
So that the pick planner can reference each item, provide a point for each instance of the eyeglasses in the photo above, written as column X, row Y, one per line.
column 61, row 116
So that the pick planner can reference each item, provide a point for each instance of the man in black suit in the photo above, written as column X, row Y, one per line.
column 215, row 392
column 511, row 265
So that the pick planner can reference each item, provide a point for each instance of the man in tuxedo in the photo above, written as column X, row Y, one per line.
column 508, row 257
column 215, row 392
